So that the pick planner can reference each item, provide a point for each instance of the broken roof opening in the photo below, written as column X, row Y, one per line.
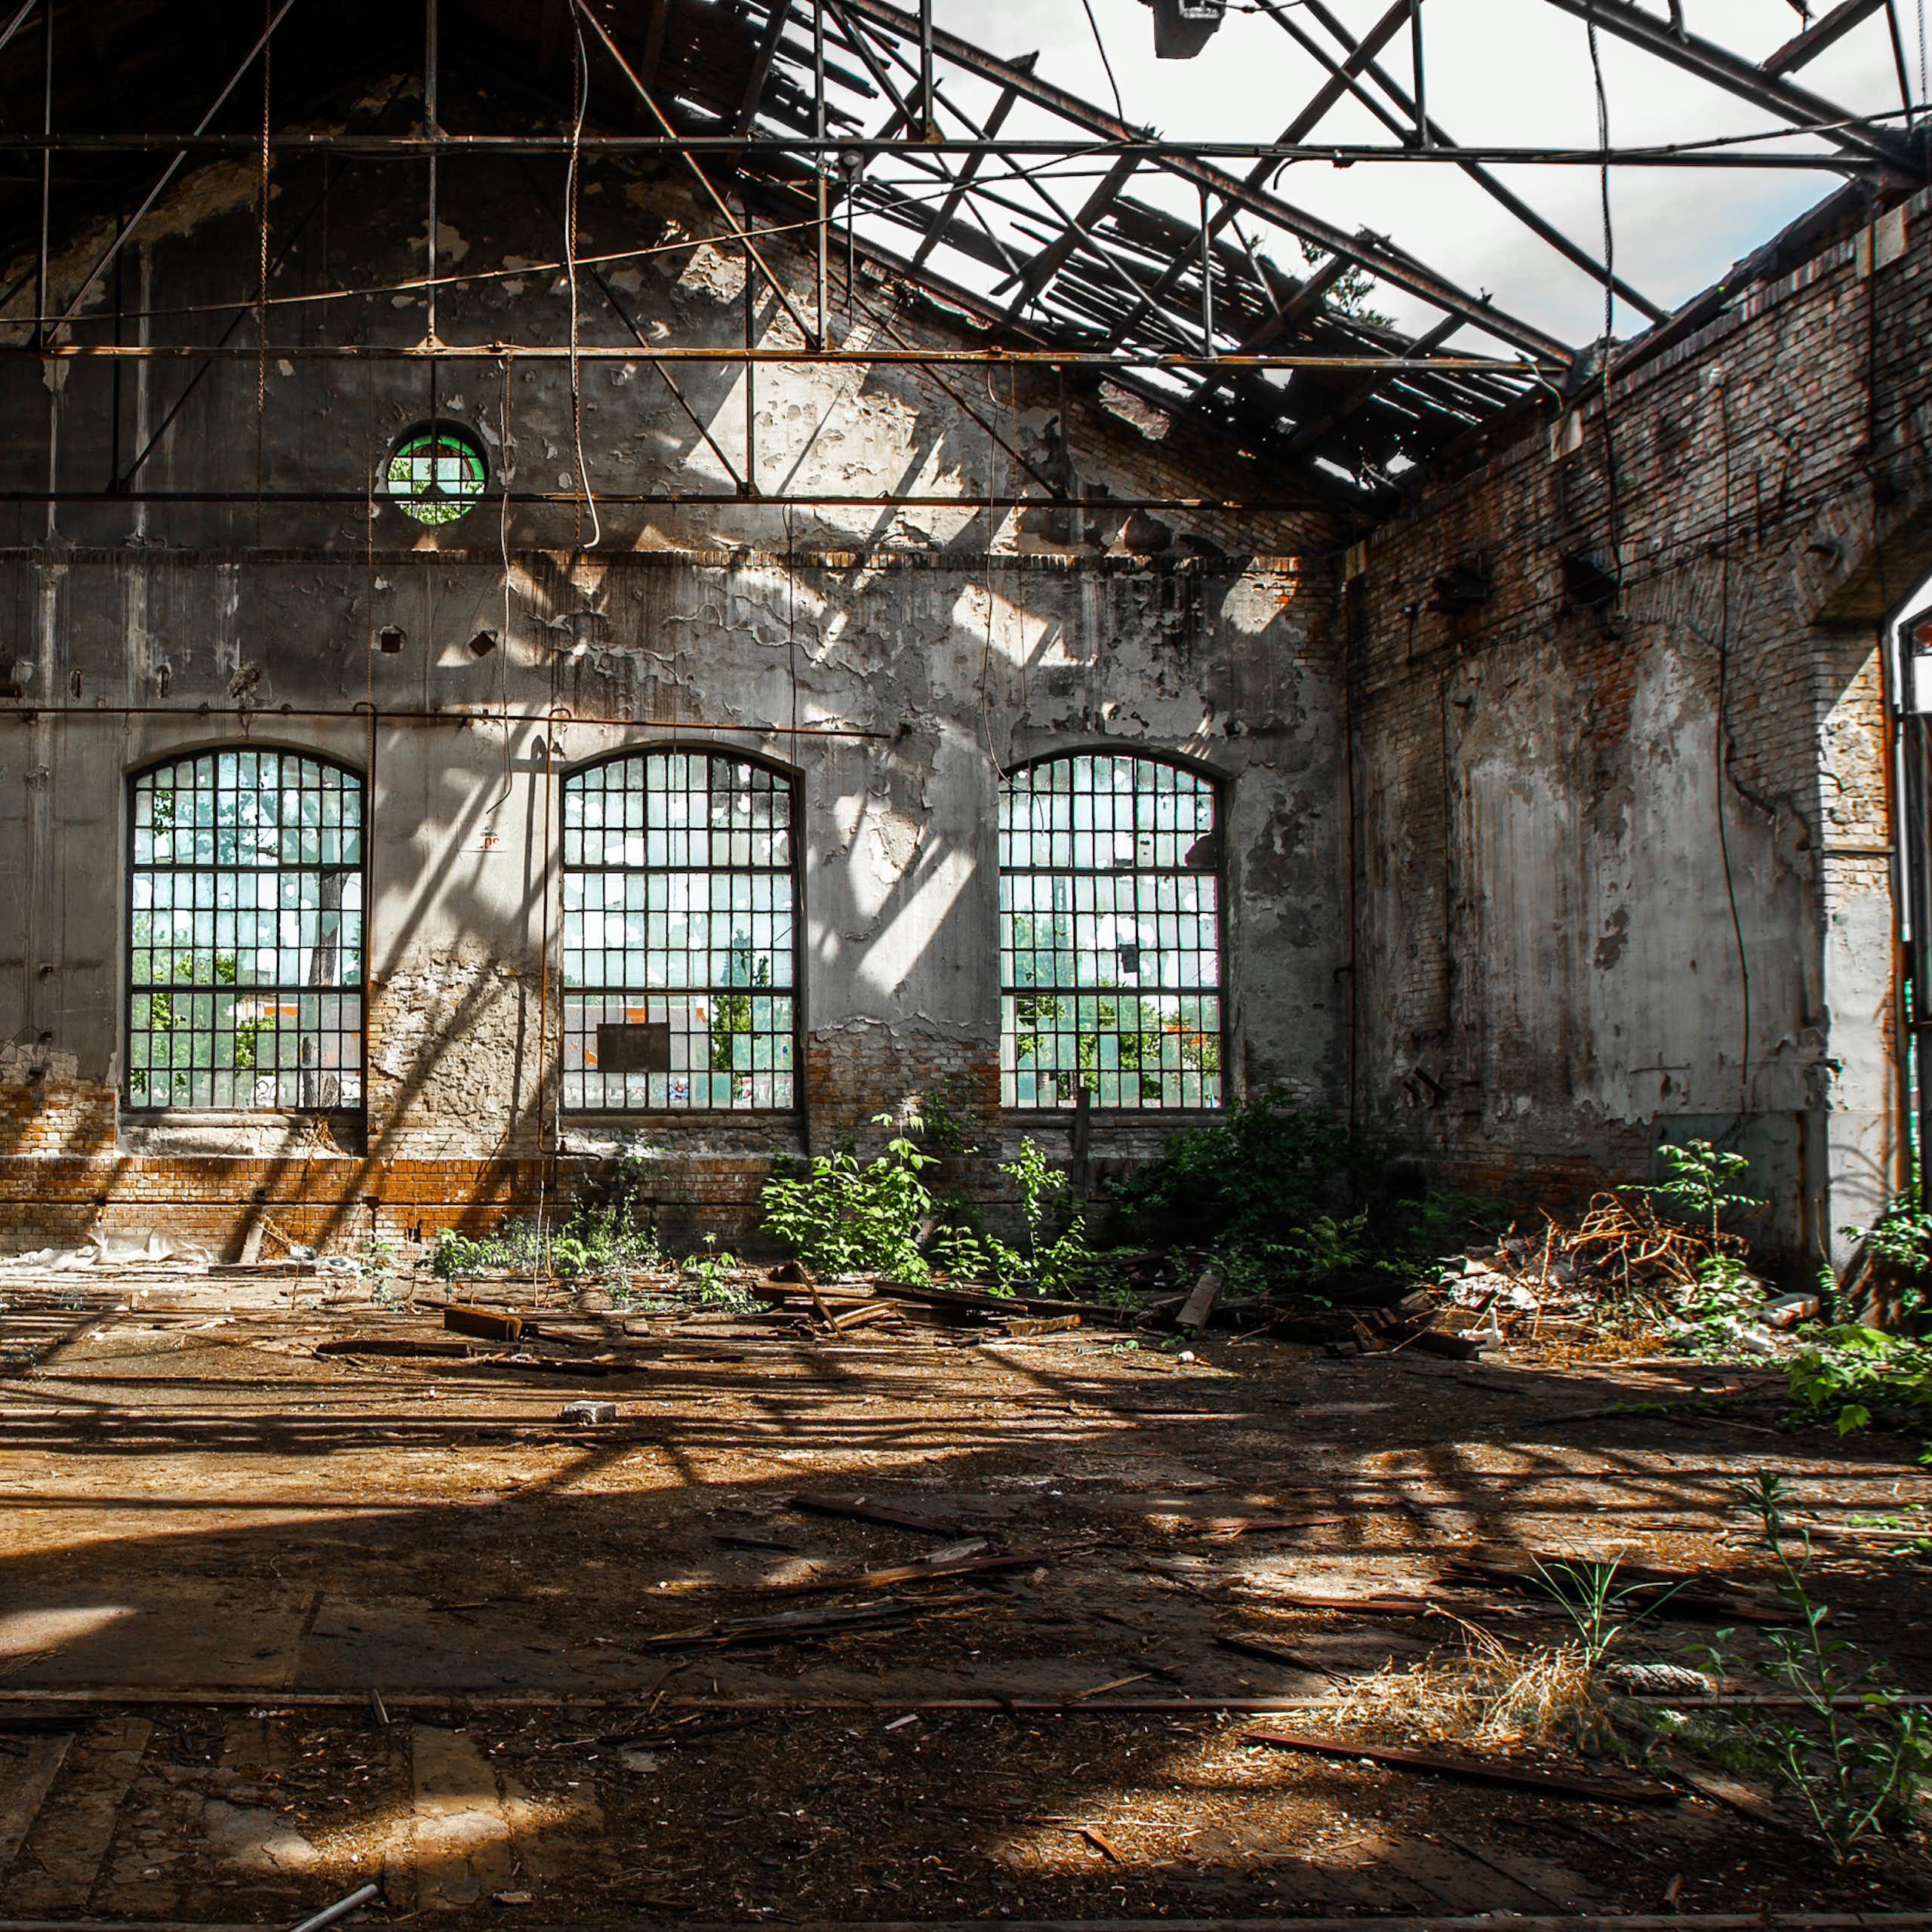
column 1264, row 262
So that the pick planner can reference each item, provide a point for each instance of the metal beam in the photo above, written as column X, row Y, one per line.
column 1505, row 197
column 1050, row 357
column 1820, row 34
column 168, row 174
column 1723, row 69
column 761, row 72
column 963, row 180
column 1341, row 81
column 1402, row 271
column 718, row 201
column 1044, row 267
column 1725, row 152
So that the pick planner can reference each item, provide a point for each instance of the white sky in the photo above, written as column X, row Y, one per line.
column 1501, row 71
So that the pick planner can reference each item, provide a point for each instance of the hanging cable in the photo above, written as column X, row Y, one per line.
column 580, row 75
column 504, row 472
column 1120, row 112
column 1722, row 758
column 1609, row 296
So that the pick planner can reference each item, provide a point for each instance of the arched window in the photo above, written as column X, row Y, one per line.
column 679, row 897
column 1110, row 934
column 244, row 974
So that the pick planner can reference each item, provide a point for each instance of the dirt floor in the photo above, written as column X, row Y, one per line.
column 274, row 1623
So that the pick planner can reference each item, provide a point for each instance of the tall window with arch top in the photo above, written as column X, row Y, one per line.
column 245, row 965
column 679, row 902
column 1110, row 934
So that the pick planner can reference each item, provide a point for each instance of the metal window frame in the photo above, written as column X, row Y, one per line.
column 131, row 777
column 1221, row 784
column 434, row 427
column 794, row 779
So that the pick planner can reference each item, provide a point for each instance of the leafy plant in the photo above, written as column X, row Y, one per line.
column 1277, row 1194
column 844, row 1215
column 1258, row 1176
column 1853, row 1376
column 1054, row 1264
column 711, row 1272
column 599, row 1233
column 1701, row 1186
column 1859, row 1772
column 1599, row 1610
column 1899, row 1246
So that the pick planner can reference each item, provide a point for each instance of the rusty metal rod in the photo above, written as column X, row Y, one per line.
column 1713, row 153
column 491, row 351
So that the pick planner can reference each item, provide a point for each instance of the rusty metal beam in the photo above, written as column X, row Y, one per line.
column 1044, row 267
column 1400, row 270
column 718, row 201
column 1505, row 197
column 761, row 72
column 1856, row 140
column 1820, row 34
column 168, row 174
column 963, row 180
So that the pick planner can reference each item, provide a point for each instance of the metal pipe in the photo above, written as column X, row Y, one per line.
column 363, row 712
column 429, row 96
column 1423, row 136
column 930, row 120
column 1719, row 151
column 1051, row 358
column 822, row 288
column 668, row 499
column 46, row 172
column 340, row 1909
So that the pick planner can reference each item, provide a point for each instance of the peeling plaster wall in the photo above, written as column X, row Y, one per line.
column 1623, row 874
column 918, row 651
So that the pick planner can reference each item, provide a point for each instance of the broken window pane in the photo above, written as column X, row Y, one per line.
column 1110, row 934
column 245, row 934
column 678, row 905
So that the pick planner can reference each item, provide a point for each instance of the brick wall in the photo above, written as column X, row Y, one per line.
column 1599, row 846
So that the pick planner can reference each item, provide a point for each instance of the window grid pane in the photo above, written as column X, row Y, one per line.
column 1109, row 933
column 679, row 906
column 245, row 934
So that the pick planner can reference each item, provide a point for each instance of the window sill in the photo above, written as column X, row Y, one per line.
column 134, row 1116
column 1114, row 1116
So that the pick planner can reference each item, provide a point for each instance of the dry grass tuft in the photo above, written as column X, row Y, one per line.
column 1489, row 1695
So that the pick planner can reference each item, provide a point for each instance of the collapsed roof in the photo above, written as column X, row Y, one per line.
column 1179, row 267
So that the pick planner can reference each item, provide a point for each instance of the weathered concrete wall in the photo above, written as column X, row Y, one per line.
column 1622, row 873
column 894, row 660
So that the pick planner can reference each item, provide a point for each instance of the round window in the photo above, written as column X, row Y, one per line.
column 436, row 474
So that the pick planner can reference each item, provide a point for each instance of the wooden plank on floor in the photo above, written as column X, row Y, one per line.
column 462, row 1851
column 23, row 1785
column 61, row 1859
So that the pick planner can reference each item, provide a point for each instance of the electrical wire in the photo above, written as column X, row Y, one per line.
column 580, row 75
column 1120, row 112
column 1609, row 297
column 1723, row 759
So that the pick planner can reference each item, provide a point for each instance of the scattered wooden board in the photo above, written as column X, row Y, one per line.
column 1478, row 1770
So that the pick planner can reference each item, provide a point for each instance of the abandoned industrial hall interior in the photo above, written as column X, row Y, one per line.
column 965, row 960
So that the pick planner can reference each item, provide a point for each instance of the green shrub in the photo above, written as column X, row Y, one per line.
column 1258, row 1176
column 1278, row 1196
column 1853, row 1377
column 844, row 1215
column 597, row 1233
